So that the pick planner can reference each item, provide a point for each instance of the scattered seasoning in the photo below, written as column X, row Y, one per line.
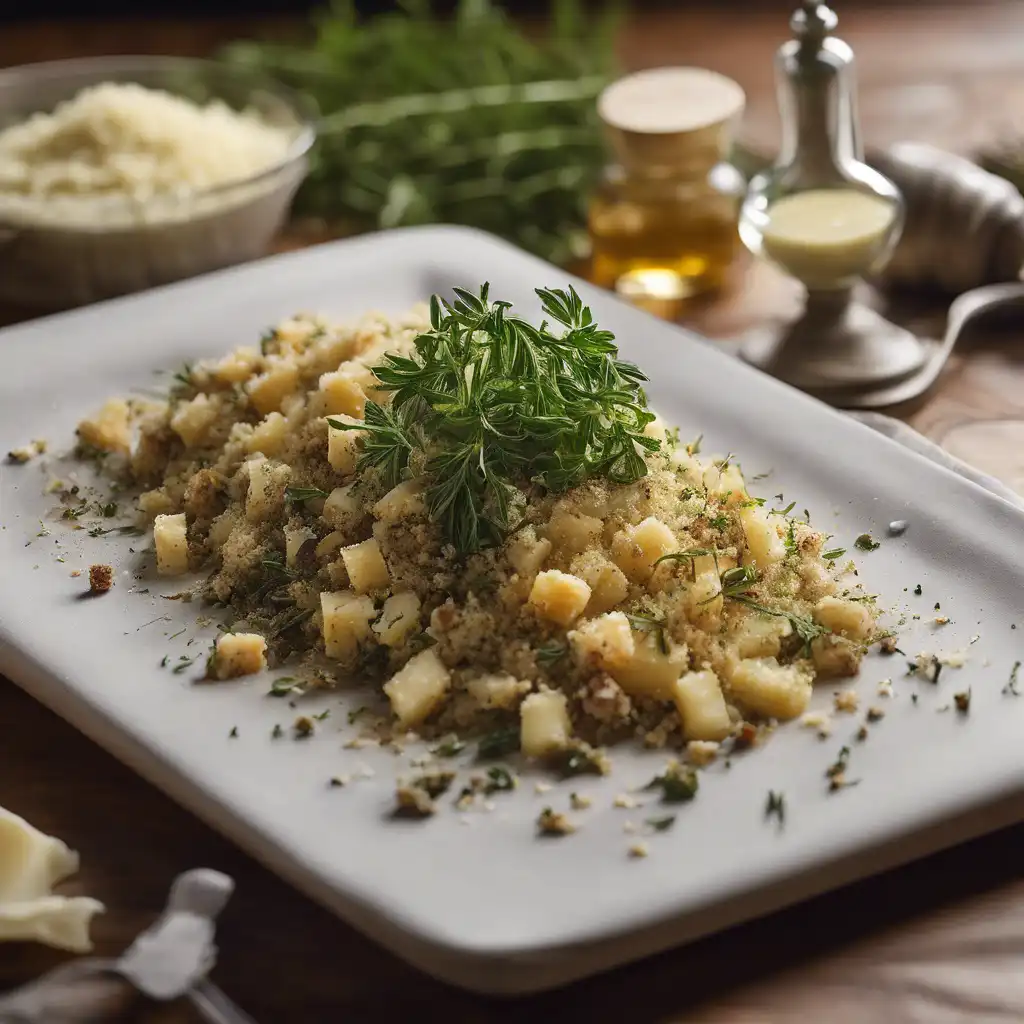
column 303, row 727
column 888, row 645
column 898, row 527
column 184, row 663
column 862, row 734
column 917, row 590
column 913, row 698
column 434, row 784
column 552, row 823
column 1010, row 689
column 775, row 807
column 937, row 606
column 451, row 747
column 927, row 666
column 413, row 802
column 580, row 759
column 353, row 715
column 101, row 579
column 661, row 824
column 678, row 783
column 865, row 542
column 284, row 686
column 962, row 701
column 164, row 660
column 499, row 743
column 875, row 714
column 578, row 802
column 336, row 781
column 638, row 851
column 323, row 716
column 234, row 732
column 277, row 732
column 499, row 780
column 836, row 772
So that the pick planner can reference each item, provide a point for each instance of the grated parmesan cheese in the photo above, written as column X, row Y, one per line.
column 122, row 141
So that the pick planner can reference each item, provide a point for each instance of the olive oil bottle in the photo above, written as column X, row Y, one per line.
column 663, row 220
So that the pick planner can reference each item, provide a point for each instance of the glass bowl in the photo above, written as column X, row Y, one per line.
column 75, row 251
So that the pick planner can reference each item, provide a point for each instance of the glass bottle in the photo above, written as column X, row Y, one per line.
column 663, row 220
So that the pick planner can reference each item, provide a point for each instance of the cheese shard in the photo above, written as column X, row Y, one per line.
column 31, row 863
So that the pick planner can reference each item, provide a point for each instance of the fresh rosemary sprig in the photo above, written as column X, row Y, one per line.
column 489, row 405
column 475, row 121
column 805, row 627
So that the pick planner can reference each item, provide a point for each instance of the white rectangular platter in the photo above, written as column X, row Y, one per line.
column 486, row 905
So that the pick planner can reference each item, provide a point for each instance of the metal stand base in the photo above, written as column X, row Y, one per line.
column 836, row 346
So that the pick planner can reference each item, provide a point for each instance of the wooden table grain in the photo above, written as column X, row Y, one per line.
column 937, row 942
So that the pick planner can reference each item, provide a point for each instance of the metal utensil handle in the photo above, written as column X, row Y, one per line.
column 215, row 1006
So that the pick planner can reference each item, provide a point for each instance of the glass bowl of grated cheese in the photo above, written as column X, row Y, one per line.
column 123, row 173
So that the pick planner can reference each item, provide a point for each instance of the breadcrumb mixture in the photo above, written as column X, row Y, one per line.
column 676, row 610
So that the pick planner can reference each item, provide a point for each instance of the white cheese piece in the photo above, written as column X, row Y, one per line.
column 31, row 863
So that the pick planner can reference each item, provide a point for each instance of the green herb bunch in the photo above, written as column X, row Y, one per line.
column 461, row 120
column 489, row 405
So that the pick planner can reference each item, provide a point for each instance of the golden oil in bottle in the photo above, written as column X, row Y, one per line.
column 663, row 221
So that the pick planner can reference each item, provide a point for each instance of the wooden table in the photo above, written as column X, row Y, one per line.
column 940, row 941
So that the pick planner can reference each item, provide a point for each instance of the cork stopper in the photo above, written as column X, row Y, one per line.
column 671, row 118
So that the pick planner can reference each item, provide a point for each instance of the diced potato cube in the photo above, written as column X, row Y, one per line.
column 267, row 481
column 764, row 545
column 269, row 389
column 294, row 538
column 729, row 481
column 236, row 366
column 635, row 549
column 687, row 466
column 330, row 544
column 832, row 656
column 268, row 435
column 347, row 618
column 544, row 726
column 572, row 533
column 155, row 503
column 239, row 654
column 848, row 618
column 527, row 553
column 651, row 672
column 399, row 617
column 769, row 689
column 701, row 705
column 342, row 395
column 715, row 564
column 366, row 567
column 417, row 689
column 171, row 542
column 342, row 506
column 110, row 430
column 497, row 690
column 606, row 641
column 343, row 446
column 703, row 601
column 400, row 502
column 607, row 582
column 192, row 419
column 558, row 596
column 761, row 636
column 221, row 529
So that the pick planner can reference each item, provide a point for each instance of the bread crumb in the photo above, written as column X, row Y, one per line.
column 579, row 802
column 820, row 720
column 626, row 801
column 846, row 701
column 701, row 752
column 885, row 688
column 101, row 579
column 638, row 850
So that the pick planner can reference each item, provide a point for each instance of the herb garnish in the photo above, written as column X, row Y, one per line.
column 298, row 494
column 494, row 403
column 678, row 783
column 865, row 542
column 661, row 824
column 689, row 555
column 547, row 654
column 782, row 511
column 805, row 627
column 579, row 759
column 499, row 780
column 499, row 743
column 775, row 807
column 835, row 553
column 449, row 748
column 1010, row 689
column 284, row 687
column 651, row 625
